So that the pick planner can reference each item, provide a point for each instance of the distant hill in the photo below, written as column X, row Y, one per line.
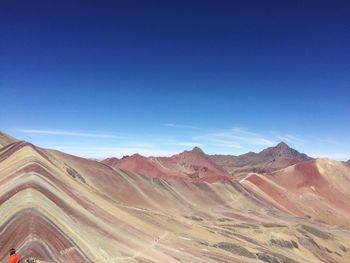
column 192, row 165
column 110, row 161
column 196, row 165
column 268, row 160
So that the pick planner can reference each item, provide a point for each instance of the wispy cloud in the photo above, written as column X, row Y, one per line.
column 66, row 133
column 141, row 145
column 180, row 126
column 292, row 139
column 228, row 145
column 326, row 140
column 119, row 151
column 236, row 138
column 189, row 144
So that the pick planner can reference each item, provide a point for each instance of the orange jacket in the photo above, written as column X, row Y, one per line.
column 15, row 259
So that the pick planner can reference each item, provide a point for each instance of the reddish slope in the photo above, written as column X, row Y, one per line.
column 190, row 165
column 317, row 189
column 194, row 164
column 139, row 164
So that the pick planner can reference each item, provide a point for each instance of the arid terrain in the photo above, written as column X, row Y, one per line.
column 277, row 206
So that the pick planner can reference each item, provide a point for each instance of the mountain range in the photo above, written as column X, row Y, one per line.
column 196, row 164
column 192, row 165
column 190, row 207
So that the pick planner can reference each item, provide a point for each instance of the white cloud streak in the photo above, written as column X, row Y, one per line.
column 289, row 138
column 228, row 145
column 180, row 126
column 189, row 144
column 105, row 152
column 65, row 133
column 141, row 145
column 236, row 138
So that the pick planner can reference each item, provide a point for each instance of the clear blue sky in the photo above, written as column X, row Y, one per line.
column 102, row 78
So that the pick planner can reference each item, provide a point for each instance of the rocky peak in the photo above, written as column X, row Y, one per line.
column 282, row 150
column 282, row 145
column 197, row 150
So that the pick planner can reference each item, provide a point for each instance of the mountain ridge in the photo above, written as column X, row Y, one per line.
column 193, row 165
column 267, row 160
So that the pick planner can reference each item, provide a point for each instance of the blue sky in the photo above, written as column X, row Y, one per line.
column 109, row 78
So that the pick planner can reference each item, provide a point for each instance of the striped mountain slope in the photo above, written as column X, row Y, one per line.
column 61, row 208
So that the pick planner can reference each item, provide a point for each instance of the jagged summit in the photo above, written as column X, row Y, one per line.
column 282, row 150
column 197, row 149
column 194, row 152
column 282, row 145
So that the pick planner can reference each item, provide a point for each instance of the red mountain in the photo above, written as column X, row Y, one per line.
column 192, row 165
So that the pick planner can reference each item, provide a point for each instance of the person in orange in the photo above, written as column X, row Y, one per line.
column 14, row 258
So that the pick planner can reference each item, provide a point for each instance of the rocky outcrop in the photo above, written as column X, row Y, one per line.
column 284, row 243
column 235, row 249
